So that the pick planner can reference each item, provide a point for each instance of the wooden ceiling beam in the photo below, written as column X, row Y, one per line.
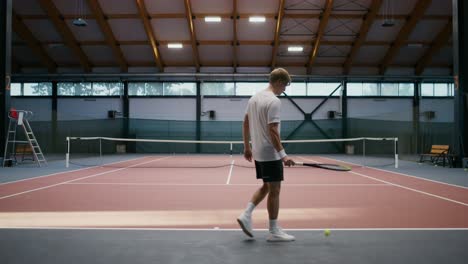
column 143, row 13
column 193, row 36
column 441, row 39
column 58, row 21
column 108, row 34
column 415, row 16
column 25, row 34
column 228, row 43
column 321, row 31
column 241, row 16
column 243, row 64
column 366, row 25
column 279, row 22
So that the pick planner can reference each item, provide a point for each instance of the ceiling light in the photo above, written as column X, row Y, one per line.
column 415, row 45
column 212, row 19
column 295, row 49
column 257, row 19
column 174, row 45
column 79, row 22
column 388, row 23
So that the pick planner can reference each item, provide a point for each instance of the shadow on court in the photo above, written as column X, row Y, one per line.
column 219, row 246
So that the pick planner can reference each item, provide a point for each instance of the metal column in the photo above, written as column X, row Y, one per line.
column 460, row 64
column 5, row 66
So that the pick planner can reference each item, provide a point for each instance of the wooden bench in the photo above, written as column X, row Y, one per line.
column 438, row 154
column 24, row 150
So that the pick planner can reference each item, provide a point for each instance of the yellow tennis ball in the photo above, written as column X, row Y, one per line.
column 326, row 232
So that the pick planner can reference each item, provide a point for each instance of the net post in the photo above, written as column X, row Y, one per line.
column 230, row 148
column 100, row 148
column 364, row 151
column 396, row 152
column 67, row 155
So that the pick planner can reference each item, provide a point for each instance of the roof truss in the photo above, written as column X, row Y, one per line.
column 441, row 39
column 366, row 24
column 109, row 35
column 277, row 33
column 145, row 18
column 22, row 30
column 193, row 37
column 321, row 31
column 59, row 23
column 414, row 17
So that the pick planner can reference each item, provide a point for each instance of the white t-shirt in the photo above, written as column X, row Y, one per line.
column 263, row 108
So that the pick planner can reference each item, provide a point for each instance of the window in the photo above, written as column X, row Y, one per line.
column 437, row 89
column 322, row 89
column 217, row 88
column 380, row 89
column 37, row 89
column 405, row 89
column 250, row 89
column 107, row 89
column 389, row 89
column 90, row 89
column 15, row 89
column 74, row 89
column 296, row 89
column 180, row 89
column 145, row 88
column 370, row 89
column 396, row 89
column 354, row 89
column 441, row 89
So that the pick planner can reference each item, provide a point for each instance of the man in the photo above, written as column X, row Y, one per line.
column 262, row 126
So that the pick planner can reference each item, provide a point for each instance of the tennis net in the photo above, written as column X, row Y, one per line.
column 154, row 153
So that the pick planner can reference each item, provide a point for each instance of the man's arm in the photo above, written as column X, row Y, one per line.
column 246, row 137
column 276, row 141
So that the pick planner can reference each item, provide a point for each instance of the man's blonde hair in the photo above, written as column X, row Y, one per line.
column 280, row 74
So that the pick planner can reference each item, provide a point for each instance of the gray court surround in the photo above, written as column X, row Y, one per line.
column 231, row 246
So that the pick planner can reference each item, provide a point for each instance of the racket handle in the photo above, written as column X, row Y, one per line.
column 299, row 163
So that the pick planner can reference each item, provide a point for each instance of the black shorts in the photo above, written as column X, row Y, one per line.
column 269, row 171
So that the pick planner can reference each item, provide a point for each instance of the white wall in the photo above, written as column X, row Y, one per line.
column 41, row 107
column 86, row 108
column 233, row 109
column 230, row 109
column 381, row 109
column 443, row 108
column 163, row 108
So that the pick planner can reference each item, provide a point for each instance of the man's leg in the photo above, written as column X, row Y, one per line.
column 273, row 199
column 260, row 194
column 245, row 219
column 276, row 233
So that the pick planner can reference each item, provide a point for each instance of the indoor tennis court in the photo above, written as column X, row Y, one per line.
column 123, row 130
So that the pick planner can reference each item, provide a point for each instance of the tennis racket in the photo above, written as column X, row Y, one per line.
column 335, row 167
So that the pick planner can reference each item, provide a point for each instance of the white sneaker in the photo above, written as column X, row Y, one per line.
column 245, row 223
column 278, row 235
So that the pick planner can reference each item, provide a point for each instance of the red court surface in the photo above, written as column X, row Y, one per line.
column 104, row 197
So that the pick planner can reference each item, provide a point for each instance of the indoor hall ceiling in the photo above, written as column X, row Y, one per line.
column 337, row 37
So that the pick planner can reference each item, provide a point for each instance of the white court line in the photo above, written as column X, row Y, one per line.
column 92, row 167
column 220, row 184
column 404, row 187
column 230, row 172
column 411, row 189
column 399, row 173
column 239, row 230
column 86, row 177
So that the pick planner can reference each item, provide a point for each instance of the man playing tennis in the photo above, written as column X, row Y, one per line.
column 262, row 126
